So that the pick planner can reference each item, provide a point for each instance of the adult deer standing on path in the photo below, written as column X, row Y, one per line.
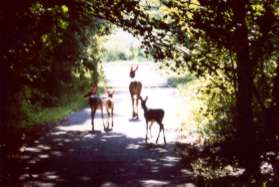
column 151, row 116
column 135, row 90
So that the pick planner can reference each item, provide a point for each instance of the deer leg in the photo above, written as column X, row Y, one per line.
column 159, row 134
column 136, row 108
column 163, row 128
column 111, row 117
column 164, row 135
column 93, row 111
column 146, row 132
column 150, row 129
column 133, row 114
column 102, row 113
column 108, row 118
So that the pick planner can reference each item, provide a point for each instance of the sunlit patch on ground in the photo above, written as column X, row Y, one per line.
column 109, row 184
column 154, row 182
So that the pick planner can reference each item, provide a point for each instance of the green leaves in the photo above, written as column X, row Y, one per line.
column 65, row 9
column 41, row 45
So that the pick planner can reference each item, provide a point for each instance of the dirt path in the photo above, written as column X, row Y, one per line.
column 71, row 156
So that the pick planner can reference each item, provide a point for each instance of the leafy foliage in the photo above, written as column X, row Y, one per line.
column 234, row 41
column 46, row 47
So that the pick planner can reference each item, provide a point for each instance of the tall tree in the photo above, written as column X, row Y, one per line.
column 247, row 29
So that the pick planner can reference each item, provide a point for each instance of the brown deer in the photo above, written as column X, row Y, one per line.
column 96, row 102
column 153, row 115
column 109, row 105
column 135, row 90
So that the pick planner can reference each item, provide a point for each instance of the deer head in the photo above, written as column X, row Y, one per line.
column 110, row 93
column 94, row 89
column 133, row 71
column 143, row 102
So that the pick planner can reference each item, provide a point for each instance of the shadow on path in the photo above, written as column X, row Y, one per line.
column 100, row 159
column 69, row 155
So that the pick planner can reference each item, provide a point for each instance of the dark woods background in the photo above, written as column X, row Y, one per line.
column 43, row 58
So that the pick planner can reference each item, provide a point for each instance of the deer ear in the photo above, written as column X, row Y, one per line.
column 94, row 88
column 112, row 92
column 132, row 67
column 137, row 67
column 146, row 98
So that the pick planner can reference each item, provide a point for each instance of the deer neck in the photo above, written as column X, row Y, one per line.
column 145, row 109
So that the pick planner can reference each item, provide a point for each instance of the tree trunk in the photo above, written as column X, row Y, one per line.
column 275, row 93
column 245, row 130
column 273, row 118
column 3, row 103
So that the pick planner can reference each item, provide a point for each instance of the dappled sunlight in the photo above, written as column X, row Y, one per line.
column 32, row 149
column 50, row 175
column 154, row 182
column 72, row 154
column 54, row 160
column 171, row 159
column 76, row 127
column 44, row 147
column 150, row 160
column 43, row 156
column 133, row 147
column 109, row 184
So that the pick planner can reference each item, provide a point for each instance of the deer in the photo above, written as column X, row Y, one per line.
column 151, row 116
column 96, row 102
column 109, row 105
column 135, row 90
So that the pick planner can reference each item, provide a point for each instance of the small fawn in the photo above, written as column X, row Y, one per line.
column 135, row 90
column 96, row 102
column 152, row 115
column 109, row 105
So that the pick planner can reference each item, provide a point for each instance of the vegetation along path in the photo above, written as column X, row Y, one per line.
column 71, row 155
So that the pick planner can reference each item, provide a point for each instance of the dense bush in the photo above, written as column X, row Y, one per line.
column 46, row 50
